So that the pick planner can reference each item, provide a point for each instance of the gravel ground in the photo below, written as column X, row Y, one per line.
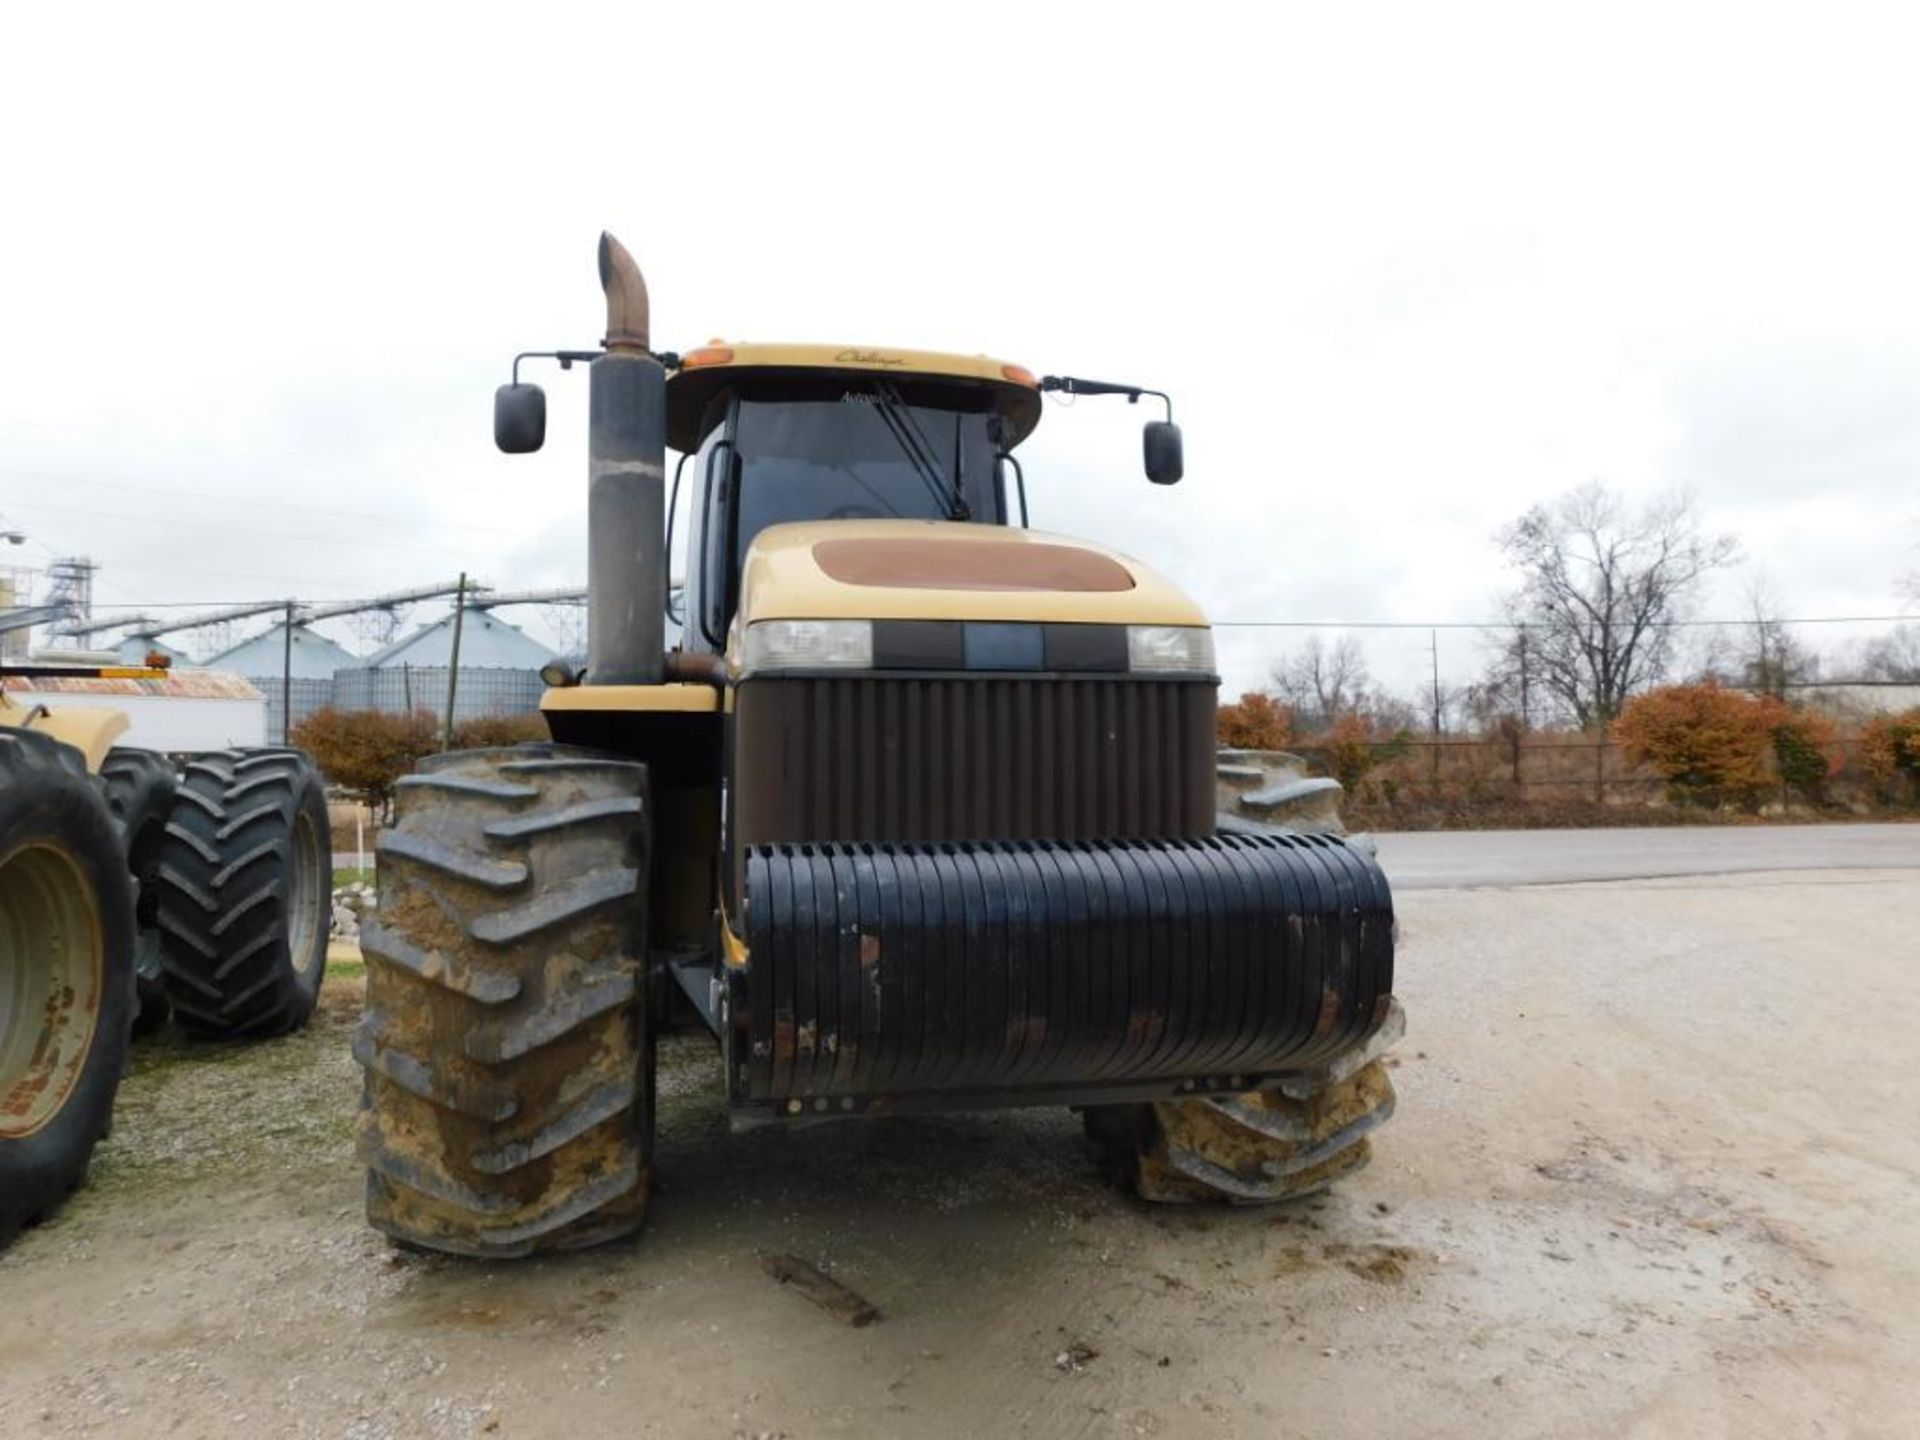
column 1653, row 1173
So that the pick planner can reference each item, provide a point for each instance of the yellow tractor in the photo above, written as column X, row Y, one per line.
column 127, row 890
column 921, row 812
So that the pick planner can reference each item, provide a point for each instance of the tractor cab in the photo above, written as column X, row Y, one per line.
column 780, row 434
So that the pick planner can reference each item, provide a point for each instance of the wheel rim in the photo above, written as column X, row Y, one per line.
column 51, row 964
column 307, row 897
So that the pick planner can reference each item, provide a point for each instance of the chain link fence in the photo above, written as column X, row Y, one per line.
column 482, row 694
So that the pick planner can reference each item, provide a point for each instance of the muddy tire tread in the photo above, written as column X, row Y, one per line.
column 506, row 1056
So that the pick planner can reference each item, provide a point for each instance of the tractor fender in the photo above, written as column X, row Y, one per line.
column 91, row 730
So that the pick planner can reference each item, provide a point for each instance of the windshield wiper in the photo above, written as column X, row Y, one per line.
column 912, row 440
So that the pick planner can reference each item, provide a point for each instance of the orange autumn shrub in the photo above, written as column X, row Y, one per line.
column 1890, row 752
column 1711, row 745
column 1353, row 746
column 1254, row 722
column 1806, row 751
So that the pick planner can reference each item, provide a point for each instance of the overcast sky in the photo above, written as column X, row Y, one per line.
column 1405, row 270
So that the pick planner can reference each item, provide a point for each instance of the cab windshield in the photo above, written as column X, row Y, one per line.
column 862, row 454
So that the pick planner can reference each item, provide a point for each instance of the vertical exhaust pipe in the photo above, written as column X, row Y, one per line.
column 626, row 488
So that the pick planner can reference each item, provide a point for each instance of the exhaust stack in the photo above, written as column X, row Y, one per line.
column 626, row 488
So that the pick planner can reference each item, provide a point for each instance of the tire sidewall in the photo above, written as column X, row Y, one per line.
column 309, row 972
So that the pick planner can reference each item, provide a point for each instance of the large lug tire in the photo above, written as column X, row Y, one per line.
column 1270, row 789
column 139, row 788
column 1258, row 1148
column 66, row 974
column 246, row 885
column 509, row 1066
column 1267, row 1145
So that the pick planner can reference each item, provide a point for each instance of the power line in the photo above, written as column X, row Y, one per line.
column 477, row 600
column 187, row 523
column 1547, row 625
column 212, row 604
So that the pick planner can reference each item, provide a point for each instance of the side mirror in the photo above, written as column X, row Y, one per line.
column 519, row 418
column 1161, row 446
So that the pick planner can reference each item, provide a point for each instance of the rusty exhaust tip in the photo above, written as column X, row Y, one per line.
column 627, row 312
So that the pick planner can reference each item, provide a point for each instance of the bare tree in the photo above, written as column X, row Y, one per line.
column 1773, row 660
column 1390, row 711
column 1893, row 657
column 1494, row 697
column 1321, row 682
column 1601, row 586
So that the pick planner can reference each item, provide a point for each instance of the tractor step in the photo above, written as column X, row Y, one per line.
column 912, row 977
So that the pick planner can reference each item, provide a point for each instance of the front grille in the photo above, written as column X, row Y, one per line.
column 897, row 758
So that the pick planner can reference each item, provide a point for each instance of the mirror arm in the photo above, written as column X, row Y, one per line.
column 1074, row 385
column 565, row 357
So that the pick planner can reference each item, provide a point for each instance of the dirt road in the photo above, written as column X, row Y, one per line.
column 1654, row 1173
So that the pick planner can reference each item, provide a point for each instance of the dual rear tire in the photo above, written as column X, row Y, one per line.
column 244, row 894
column 114, row 893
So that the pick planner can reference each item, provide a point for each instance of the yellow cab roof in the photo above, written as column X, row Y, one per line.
column 717, row 367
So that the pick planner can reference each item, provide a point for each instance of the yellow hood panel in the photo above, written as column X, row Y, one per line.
column 918, row 570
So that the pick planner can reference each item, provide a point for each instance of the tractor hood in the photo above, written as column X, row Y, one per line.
column 945, row 570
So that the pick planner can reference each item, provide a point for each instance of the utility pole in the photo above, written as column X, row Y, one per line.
column 453, row 661
column 1433, row 639
column 1526, row 706
column 286, row 676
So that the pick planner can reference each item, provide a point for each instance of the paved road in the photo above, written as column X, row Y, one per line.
column 1440, row 860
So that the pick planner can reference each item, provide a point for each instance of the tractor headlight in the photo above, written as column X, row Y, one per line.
column 807, row 645
column 1183, row 649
